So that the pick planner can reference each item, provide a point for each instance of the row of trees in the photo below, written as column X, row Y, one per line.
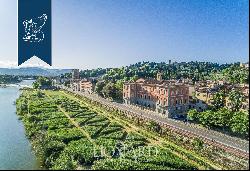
column 9, row 79
column 113, row 79
column 235, row 97
column 236, row 122
column 235, row 74
column 220, row 116
column 42, row 82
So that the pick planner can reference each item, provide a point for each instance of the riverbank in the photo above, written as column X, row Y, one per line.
column 20, row 85
column 66, row 129
column 15, row 149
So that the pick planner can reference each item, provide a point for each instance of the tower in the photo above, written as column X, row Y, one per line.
column 159, row 76
column 75, row 74
column 169, row 62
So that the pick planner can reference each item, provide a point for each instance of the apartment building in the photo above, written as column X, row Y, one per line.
column 167, row 97
column 86, row 86
column 83, row 85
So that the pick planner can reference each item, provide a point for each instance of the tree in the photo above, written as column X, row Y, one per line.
column 110, row 90
column 99, row 87
column 35, row 85
column 219, row 100
column 236, row 74
column 206, row 118
column 222, row 118
column 193, row 115
column 240, row 123
column 42, row 81
column 236, row 99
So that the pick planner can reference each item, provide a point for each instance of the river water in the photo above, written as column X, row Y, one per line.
column 15, row 149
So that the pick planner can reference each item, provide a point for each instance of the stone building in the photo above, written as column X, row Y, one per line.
column 167, row 97
column 75, row 79
column 75, row 74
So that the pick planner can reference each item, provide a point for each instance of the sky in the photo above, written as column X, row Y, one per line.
column 112, row 33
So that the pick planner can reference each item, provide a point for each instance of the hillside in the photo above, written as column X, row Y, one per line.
column 33, row 71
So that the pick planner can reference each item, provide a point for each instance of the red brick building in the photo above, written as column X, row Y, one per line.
column 167, row 97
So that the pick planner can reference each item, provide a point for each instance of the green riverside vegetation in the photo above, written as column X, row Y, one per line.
column 9, row 79
column 110, row 80
column 70, row 132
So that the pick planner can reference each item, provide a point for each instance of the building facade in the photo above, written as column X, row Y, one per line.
column 86, row 86
column 74, row 81
column 167, row 97
column 83, row 85
column 75, row 74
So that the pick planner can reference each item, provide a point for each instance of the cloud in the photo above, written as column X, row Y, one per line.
column 32, row 62
column 8, row 64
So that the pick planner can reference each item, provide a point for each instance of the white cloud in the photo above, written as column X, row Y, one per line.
column 32, row 62
column 8, row 64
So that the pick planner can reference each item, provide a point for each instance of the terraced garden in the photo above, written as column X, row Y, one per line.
column 69, row 133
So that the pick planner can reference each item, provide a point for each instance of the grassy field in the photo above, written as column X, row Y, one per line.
column 68, row 132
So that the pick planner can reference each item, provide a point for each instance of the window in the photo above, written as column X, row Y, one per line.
column 172, row 102
column 173, row 92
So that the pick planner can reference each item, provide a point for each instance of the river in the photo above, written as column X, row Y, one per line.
column 15, row 149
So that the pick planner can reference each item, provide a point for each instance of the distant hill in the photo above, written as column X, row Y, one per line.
column 33, row 71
